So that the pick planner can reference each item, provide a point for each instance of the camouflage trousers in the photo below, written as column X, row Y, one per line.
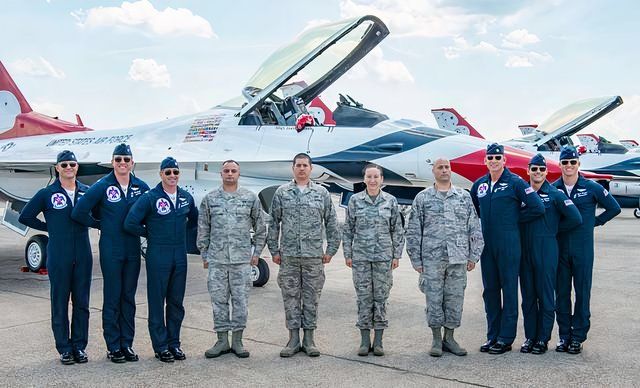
column 372, row 281
column 301, row 280
column 443, row 285
column 229, row 282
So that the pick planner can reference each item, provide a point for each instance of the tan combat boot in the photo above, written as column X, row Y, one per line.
column 236, row 344
column 365, row 342
column 378, row 350
column 221, row 347
column 450, row 345
column 293, row 346
column 308, row 345
column 436, row 344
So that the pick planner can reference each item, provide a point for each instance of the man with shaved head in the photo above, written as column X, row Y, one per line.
column 228, row 214
column 444, row 240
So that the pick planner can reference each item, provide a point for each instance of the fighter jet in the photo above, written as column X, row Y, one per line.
column 622, row 166
column 262, row 129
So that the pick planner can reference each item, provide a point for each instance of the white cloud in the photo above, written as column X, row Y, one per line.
column 47, row 108
column 519, row 38
column 424, row 18
column 527, row 59
column 38, row 67
column 518, row 61
column 144, row 16
column 461, row 45
column 382, row 69
column 148, row 70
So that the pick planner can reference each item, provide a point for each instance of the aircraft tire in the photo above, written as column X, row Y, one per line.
column 260, row 273
column 35, row 252
column 636, row 212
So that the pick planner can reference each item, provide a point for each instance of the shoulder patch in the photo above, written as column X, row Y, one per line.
column 162, row 206
column 482, row 190
column 59, row 201
column 529, row 190
column 605, row 192
column 568, row 202
column 113, row 194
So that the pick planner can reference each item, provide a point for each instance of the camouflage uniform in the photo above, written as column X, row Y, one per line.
column 224, row 239
column 372, row 237
column 442, row 235
column 295, row 233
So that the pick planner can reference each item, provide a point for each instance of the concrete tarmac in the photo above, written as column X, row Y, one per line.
column 610, row 356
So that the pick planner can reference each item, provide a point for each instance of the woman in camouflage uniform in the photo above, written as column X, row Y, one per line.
column 373, row 239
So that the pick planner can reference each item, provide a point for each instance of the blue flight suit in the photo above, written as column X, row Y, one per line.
column 539, row 263
column 69, row 262
column 165, row 227
column 119, row 254
column 499, row 210
column 576, row 257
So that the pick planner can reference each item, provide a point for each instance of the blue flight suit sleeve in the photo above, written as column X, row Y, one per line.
column 192, row 217
column 527, row 195
column 570, row 214
column 83, row 211
column 137, row 214
column 29, row 214
column 527, row 215
column 610, row 205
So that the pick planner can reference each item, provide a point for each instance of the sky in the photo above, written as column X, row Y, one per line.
column 499, row 63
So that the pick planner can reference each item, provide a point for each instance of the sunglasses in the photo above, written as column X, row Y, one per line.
column 168, row 172
column 536, row 169
column 496, row 157
column 226, row 171
column 119, row 159
column 572, row 161
column 71, row 164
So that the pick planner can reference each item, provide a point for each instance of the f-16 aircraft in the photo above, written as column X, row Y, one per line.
column 555, row 132
column 598, row 144
column 262, row 129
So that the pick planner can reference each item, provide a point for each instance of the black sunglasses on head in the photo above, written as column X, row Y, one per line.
column 572, row 161
column 169, row 171
column 119, row 159
column 496, row 157
column 70, row 164
column 536, row 168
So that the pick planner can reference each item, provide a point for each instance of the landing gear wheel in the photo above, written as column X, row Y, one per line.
column 636, row 212
column 260, row 273
column 35, row 252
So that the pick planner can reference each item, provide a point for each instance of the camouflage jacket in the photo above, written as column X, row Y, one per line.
column 449, row 222
column 225, row 224
column 373, row 230
column 297, row 219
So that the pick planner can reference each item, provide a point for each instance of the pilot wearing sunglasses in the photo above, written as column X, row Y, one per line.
column 497, row 197
column 105, row 207
column 575, row 265
column 69, row 259
column 163, row 215
column 539, row 262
